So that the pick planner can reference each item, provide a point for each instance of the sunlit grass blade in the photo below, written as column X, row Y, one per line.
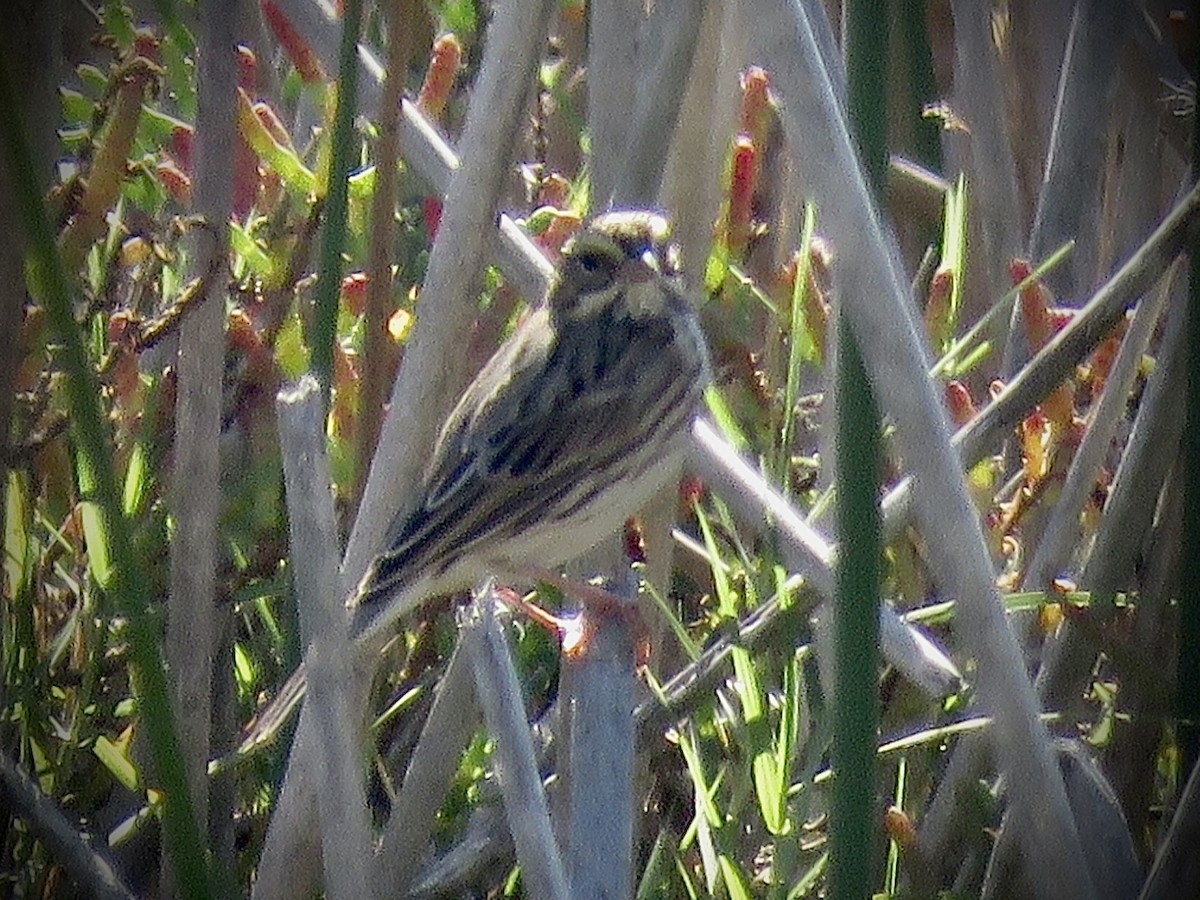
column 734, row 880
column 801, row 346
column 951, row 362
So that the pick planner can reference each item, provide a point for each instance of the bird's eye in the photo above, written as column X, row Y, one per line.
column 593, row 270
column 591, row 262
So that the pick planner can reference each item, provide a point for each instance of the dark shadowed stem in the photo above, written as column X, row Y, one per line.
column 856, row 624
column 29, row 45
column 978, row 93
column 918, row 57
column 126, row 592
column 1174, row 873
column 857, row 474
column 1074, row 158
column 1188, row 686
column 333, row 235
column 69, row 845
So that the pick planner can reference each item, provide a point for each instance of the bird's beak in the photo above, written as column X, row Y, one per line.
column 644, row 268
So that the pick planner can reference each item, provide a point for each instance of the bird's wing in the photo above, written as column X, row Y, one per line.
column 530, row 449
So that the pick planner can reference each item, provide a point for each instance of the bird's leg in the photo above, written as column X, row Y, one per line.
column 575, row 630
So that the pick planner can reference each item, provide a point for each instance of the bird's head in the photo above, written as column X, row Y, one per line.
column 620, row 257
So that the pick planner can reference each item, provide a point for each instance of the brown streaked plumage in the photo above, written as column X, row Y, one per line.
column 577, row 419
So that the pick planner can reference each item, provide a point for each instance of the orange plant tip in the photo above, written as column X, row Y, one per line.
column 354, row 292
column 959, row 402
column 271, row 121
column 755, row 113
column 346, row 367
column 554, row 190
column 183, row 139
column 444, row 62
column 561, row 227
column 247, row 69
column 299, row 51
column 146, row 44
column 121, row 326
column 177, row 183
column 691, row 490
column 900, row 827
column 743, row 178
column 431, row 209
column 635, row 540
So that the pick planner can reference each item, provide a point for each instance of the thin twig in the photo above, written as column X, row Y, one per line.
column 499, row 692
column 452, row 721
column 69, row 845
column 1063, row 530
column 379, row 353
column 1055, row 361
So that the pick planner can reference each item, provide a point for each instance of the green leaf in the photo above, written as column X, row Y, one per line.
column 252, row 253
column 459, row 16
column 690, row 648
column 801, row 347
column 18, row 558
column 76, row 108
column 735, row 880
column 695, row 767
column 95, row 528
column 725, row 419
column 118, row 22
column 94, row 81
column 716, row 268
column 362, row 183
column 117, row 761
column 290, row 350
column 243, row 668
column 181, row 73
column 155, row 127
column 809, row 881
column 137, row 480
column 297, row 177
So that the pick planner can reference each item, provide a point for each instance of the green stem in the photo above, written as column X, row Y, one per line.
column 127, row 592
column 859, row 564
column 333, row 236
